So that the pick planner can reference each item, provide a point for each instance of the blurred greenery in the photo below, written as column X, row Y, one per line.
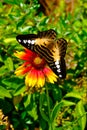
column 68, row 98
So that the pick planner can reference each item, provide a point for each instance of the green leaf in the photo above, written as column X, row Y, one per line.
column 42, row 111
column 13, row 1
column 3, row 70
column 27, row 101
column 4, row 92
column 43, row 114
column 68, row 103
column 73, row 94
column 56, row 110
column 9, row 64
column 9, row 40
column 33, row 112
column 59, row 128
column 2, row 22
column 20, row 90
column 81, row 114
column 1, row 5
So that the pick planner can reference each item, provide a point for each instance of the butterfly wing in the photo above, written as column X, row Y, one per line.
column 27, row 41
column 44, row 38
column 49, row 34
column 58, row 53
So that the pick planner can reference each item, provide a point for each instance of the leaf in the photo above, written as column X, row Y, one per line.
column 43, row 114
column 13, row 1
column 58, row 128
column 68, row 103
column 4, row 92
column 33, row 112
column 27, row 101
column 9, row 64
column 73, row 94
column 56, row 110
column 9, row 40
column 42, row 111
column 3, row 70
column 81, row 114
column 57, row 93
column 17, row 99
column 20, row 90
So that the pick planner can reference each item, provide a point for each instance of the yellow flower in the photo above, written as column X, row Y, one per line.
column 36, row 70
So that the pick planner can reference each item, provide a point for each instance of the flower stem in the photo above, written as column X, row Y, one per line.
column 48, row 104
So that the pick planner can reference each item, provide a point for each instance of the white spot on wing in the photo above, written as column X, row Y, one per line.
column 58, row 66
column 29, row 41
column 58, row 70
column 33, row 41
column 19, row 40
column 57, row 62
column 25, row 41
column 60, row 75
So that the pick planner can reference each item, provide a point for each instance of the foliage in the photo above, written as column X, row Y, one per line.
column 67, row 99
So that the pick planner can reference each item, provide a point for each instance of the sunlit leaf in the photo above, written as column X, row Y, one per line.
column 33, row 112
column 4, row 92
column 68, row 103
column 73, row 94
column 19, row 90
column 81, row 114
column 27, row 101
column 9, row 40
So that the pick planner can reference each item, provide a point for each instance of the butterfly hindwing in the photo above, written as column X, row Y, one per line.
column 59, row 68
column 62, row 45
column 57, row 64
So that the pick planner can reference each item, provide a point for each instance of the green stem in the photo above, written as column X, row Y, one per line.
column 48, row 104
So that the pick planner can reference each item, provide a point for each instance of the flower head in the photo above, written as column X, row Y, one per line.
column 36, row 70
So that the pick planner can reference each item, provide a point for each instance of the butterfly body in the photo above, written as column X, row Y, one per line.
column 46, row 44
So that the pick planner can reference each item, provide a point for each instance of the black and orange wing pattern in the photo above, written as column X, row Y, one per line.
column 46, row 44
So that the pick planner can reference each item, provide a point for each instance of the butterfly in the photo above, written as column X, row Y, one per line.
column 47, row 45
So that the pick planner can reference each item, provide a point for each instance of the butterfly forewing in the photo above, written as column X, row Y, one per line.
column 44, row 38
column 27, row 41
column 48, row 47
column 50, row 34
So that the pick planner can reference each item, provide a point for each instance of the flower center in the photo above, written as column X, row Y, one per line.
column 38, row 62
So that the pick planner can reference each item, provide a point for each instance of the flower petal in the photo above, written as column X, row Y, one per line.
column 41, row 79
column 50, row 75
column 20, row 54
column 27, row 55
column 26, row 67
column 31, row 78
